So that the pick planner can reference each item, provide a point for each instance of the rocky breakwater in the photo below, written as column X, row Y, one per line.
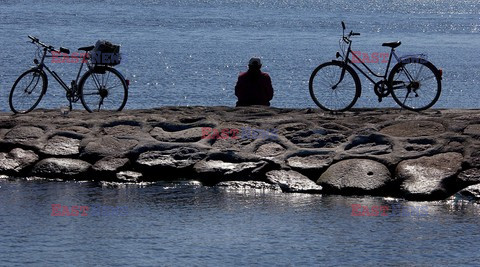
column 387, row 152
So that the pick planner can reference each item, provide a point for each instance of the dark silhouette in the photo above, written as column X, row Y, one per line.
column 254, row 87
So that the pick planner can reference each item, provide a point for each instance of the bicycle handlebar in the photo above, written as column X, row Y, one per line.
column 50, row 48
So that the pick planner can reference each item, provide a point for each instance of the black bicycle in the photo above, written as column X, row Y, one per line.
column 101, row 87
column 414, row 82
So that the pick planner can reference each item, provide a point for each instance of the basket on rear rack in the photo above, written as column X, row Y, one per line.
column 105, row 54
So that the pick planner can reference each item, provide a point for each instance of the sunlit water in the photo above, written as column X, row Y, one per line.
column 186, row 224
column 190, row 52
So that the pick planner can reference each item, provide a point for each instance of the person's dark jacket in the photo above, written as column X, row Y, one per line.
column 254, row 87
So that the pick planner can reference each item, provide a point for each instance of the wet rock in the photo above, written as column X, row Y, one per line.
column 471, row 192
column 17, row 160
column 414, row 129
column 110, row 164
column 214, row 171
column 176, row 159
column 62, row 146
column 469, row 177
column 292, row 182
column 356, row 176
column 129, row 176
column 61, row 168
column 429, row 178
column 107, row 146
column 246, row 185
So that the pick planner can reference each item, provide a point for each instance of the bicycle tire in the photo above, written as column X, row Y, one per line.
column 322, row 81
column 96, row 90
column 26, row 88
column 429, row 86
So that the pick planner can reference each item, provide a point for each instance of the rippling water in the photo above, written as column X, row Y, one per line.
column 187, row 224
column 190, row 52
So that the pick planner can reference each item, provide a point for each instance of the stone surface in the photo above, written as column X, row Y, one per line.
column 214, row 170
column 292, row 182
column 167, row 142
column 107, row 146
column 17, row 160
column 356, row 176
column 129, row 176
column 427, row 178
column 61, row 168
column 62, row 146
column 472, row 192
column 469, row 177
column 246, row 185
column 110, row 164
column 177, row 158
column 413, row 129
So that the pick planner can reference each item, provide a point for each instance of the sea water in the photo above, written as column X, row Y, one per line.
column 190, row 52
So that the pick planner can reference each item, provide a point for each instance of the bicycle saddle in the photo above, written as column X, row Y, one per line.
column 87, row 48
column 392, row 44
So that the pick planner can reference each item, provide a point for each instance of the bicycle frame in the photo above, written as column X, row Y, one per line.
column 370, row 71
column 41, row 65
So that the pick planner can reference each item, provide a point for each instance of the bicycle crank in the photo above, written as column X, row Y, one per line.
column 381, row 90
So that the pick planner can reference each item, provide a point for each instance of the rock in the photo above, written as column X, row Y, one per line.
column 107, row 146
column 213, row 171
column 62, row 146
column 110, row 164
column 472, row 192
column 17, row 160
column 270, row 150
column 427, row 178
column 61, row 168
column 310, row 163
column 29, row 136
column 473, row 129
column 469, row 177
column 373, row 144
column 356, row 176
column 245, row 185
column 292, row 182
column 188, row 135
column 129, row 176
column 176, row 159
column 414, row 128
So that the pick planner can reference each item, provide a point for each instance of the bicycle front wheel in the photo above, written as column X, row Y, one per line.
column 415, row 85
column 332, row 92
column 27, row 91
column 103, row 88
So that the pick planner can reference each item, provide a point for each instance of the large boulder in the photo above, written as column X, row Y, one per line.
column 356, row 176
column 17, row 160
column 471, row 192
column 429, row 178
column 61, row 168
column 292, row 182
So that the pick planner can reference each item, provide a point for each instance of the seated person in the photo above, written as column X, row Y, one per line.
column 254, row 87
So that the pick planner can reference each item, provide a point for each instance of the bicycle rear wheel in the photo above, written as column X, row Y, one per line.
column 103, row 88
column 27, row 91
column 328, row 93
column 415, row 84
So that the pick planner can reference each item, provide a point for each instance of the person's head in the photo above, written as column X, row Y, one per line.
column 255, row 63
